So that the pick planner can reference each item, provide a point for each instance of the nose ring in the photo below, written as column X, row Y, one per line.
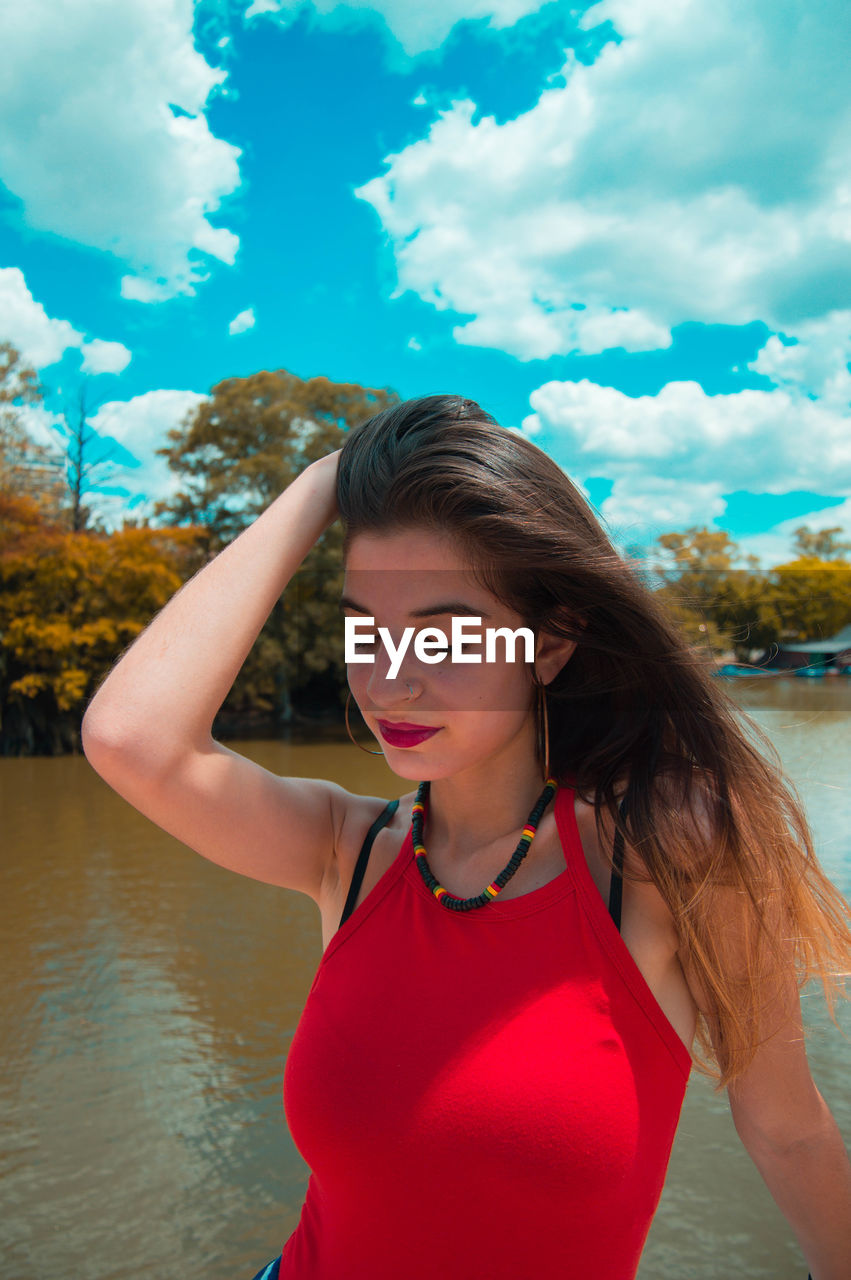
column 410, row 689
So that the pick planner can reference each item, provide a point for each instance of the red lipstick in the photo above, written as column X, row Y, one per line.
column 403, row 734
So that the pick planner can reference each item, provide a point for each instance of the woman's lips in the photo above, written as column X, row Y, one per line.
column 402, row 734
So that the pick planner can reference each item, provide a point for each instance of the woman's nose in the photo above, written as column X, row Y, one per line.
column 386, row 689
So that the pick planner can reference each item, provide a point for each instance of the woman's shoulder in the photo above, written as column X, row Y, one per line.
column 648, row 926
column 358, row 813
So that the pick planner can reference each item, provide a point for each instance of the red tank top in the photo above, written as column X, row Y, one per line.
column 482, row 1095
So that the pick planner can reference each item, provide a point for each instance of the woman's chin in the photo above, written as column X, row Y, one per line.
column 405, row 765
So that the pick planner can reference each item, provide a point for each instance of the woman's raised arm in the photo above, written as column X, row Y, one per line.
column 148, row 730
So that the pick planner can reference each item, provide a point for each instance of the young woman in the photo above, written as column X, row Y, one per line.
column 594, row 879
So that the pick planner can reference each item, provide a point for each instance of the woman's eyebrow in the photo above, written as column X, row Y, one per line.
column 430, row 611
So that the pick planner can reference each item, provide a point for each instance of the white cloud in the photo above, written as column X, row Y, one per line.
column 697, row 170
column 42, row 340
column 417, row 27
column 816, row 361
column 25, row 323
column 141, row 425
column 137, row 289
column 42, row 426
column 674, row 455
column 747, row 440
column 244, row 321
column 91, row 145
column 105, row 357
column 776, row 545
column 661, row 501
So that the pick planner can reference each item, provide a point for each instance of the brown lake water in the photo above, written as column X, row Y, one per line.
column 149, row 1000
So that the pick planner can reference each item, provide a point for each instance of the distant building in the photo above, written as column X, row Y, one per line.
column 833, row 651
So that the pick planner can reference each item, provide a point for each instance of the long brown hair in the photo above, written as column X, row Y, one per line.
column 708, row 808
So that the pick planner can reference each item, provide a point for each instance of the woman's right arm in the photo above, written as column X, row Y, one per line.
column 148, row 730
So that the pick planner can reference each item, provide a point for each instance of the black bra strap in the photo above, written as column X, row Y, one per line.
column 616, row 884
column 363, row 857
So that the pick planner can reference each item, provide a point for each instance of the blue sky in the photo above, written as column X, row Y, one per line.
column 624, row 228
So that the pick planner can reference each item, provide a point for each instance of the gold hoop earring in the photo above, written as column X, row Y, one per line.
column 542, row 726
column 368, row 750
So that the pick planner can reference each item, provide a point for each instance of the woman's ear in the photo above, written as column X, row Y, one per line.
column 552, row 652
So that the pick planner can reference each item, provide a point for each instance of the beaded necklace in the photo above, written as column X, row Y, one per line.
column 450, row 900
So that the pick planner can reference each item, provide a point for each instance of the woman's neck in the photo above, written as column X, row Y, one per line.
column 481, row 806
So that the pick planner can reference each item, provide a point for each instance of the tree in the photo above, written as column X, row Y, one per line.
column 19, row 385
column 25, row 466
column 70, row 602
column 86, row 453
column 811, row 598
column 700, row 550
column 57, row 477
column 714, row 602
column 234, row 454
column 723, row 606
column 240, row 448
column 820, row 544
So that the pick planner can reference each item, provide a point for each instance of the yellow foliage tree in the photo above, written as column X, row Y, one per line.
column 811, row 597
column 748, row 608
column 69, row 604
